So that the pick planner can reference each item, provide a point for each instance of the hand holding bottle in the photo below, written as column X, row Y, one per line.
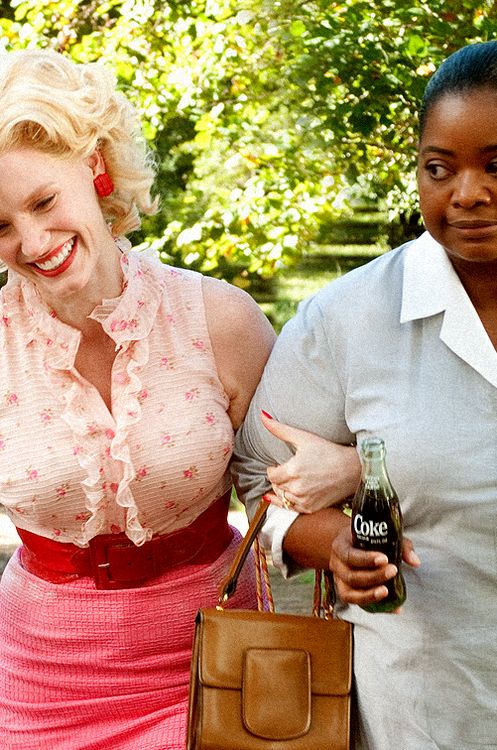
column 361, row 576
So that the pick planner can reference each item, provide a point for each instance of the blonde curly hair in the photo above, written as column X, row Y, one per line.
column 64, row 108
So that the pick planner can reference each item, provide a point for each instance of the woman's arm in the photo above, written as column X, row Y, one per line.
column 241, row 338
column 300, row 387
column 323, row 540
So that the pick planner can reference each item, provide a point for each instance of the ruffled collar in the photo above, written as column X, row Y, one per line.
column 130, row 316
column 126, row 318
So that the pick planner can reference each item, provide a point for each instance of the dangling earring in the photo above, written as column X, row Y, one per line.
column 103, row 185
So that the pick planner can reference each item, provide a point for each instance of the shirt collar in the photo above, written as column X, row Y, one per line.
column 130, row 316
column 431, row 286
column 430, row 283
column 125, row 319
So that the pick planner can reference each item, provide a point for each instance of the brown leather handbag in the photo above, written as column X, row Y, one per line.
column 267, row 681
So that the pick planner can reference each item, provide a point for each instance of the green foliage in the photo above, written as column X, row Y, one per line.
column 268, row 118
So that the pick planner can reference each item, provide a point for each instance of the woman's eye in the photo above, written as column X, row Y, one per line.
column 492, row 167
column 437, row 171
column 45, row 202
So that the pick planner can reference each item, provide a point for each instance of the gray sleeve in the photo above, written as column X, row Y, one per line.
column 301, row 387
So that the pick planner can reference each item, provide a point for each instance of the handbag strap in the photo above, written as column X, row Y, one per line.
column 322, row 605
column 228, row 586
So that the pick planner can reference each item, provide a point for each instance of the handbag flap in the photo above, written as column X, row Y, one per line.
column 276, row 693
column 226, row 635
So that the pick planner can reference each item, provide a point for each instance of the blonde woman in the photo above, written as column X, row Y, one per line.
column 122, row 383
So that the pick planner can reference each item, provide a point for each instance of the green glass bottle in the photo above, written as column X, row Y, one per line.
column 377, row 520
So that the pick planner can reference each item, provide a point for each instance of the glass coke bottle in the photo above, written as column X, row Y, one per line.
column 377, row 520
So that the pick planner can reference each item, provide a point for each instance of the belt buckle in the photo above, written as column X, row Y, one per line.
column 117, row 563
column 100, row 564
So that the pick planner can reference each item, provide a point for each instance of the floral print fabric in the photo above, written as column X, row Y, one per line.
column 69, row 468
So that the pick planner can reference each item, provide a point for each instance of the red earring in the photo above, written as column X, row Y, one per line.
column 103, row 185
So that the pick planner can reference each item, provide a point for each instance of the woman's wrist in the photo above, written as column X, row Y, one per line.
column 308, row 540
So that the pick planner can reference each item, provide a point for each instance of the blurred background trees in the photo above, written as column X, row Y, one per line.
column 270, row 121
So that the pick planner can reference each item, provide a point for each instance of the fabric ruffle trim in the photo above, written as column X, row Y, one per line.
column 127, row 320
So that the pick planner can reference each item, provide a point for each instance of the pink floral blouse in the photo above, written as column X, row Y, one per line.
column 70, row 469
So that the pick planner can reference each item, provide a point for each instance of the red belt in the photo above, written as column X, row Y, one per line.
column 115, row 562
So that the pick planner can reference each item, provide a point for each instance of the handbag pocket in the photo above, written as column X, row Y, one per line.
column 270, row 672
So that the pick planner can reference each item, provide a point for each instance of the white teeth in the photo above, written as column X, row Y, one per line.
column 57, row 260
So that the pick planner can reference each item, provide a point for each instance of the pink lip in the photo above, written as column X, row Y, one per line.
column 65, row 265
column 473, row 224
column 474, row 231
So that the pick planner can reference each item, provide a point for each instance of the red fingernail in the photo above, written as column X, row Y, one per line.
column 266, row 414
column 267, row 499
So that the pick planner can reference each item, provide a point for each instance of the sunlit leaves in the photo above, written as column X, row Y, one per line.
column 268, row 118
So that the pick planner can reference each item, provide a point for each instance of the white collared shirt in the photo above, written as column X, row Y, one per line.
column 396, row 349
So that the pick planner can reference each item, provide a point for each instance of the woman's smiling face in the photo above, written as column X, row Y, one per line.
column 457, row 174
column 52, row 230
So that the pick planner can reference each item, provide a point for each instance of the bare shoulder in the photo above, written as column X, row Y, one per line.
column 230, row 308
column 242, row 339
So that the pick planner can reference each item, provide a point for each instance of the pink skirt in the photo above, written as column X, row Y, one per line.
column 84, row 669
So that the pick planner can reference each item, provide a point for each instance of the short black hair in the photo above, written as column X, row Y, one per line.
column 471, row 67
